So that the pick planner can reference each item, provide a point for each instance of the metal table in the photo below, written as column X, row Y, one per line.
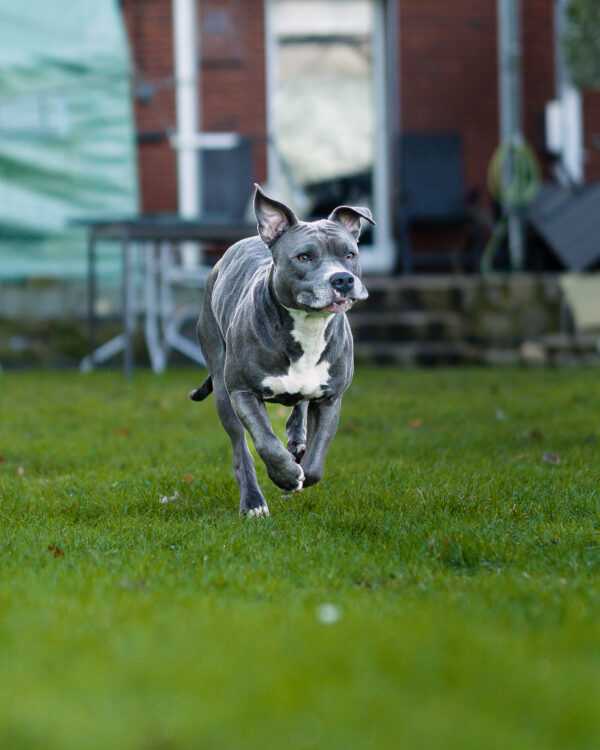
column 153, row 232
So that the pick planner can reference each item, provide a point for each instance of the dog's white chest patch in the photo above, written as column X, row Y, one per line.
column 306, row 375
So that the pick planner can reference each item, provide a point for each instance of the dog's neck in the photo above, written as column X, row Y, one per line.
column 309, row 331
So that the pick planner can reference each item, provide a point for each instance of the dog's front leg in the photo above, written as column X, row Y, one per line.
column 281, row 467
column 322, row 422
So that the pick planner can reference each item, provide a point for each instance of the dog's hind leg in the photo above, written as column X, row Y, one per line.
column 295, row 430
column 322, row 422
column 252, row 501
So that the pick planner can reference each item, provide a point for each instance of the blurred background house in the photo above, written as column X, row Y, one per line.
column 458, row 123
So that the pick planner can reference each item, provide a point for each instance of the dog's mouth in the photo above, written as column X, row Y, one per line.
column 314, row 303
column 340, row 305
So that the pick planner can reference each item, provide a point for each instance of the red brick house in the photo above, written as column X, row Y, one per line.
column 438, row 72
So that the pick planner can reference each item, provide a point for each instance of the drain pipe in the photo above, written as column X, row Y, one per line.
column 509, row 85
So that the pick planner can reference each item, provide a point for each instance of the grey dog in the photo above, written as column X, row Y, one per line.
column 273, row 329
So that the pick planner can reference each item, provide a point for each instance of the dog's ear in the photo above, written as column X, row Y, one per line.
column 349, row 217
column 273, row 218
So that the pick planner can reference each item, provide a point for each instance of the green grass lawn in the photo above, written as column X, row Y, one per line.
column 440, row 588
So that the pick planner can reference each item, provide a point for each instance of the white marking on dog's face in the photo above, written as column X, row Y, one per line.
column 262, row 510
column 306, row 375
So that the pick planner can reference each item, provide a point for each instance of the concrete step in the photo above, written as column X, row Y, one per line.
column 423, row 353
column 408, row 325
column 562, row 352
column 571, row 348
column 571, row 342
column 418, row 293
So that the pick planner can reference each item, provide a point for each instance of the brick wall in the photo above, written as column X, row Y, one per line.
column 448, row 76
column 150, row 34
column 538, row 72
column 448, row 82
column 591, row 118
column 539, row 87
column 232, row 81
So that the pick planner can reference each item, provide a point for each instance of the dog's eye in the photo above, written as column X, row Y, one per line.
column 304, row 257
column 350, row 255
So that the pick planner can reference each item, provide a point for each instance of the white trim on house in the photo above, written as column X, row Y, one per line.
column 273, row 169
column 187, row 104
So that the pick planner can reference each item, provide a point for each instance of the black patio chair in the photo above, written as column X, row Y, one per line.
column 432, row 193
column 227, row 178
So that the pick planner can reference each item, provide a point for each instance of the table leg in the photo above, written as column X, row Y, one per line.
column 91, row 253
column 128, row 304
column 152, row 302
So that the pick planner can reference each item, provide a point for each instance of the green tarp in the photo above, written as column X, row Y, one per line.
column 67, row 146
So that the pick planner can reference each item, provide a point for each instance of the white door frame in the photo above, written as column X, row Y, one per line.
column 380, row 257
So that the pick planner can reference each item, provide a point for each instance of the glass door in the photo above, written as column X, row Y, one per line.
column 326, row 83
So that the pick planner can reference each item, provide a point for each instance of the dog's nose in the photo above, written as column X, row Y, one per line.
column 342, row 282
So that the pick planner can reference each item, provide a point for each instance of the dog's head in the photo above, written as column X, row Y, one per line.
column 316, row 264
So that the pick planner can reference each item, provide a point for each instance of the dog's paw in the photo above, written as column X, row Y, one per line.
column 297, row 450
column 262, row 510
column 253, row 505
column 297, row 489
column 286, row 473
column 256, row 511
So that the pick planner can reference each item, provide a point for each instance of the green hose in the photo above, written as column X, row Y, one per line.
column 515, row 157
